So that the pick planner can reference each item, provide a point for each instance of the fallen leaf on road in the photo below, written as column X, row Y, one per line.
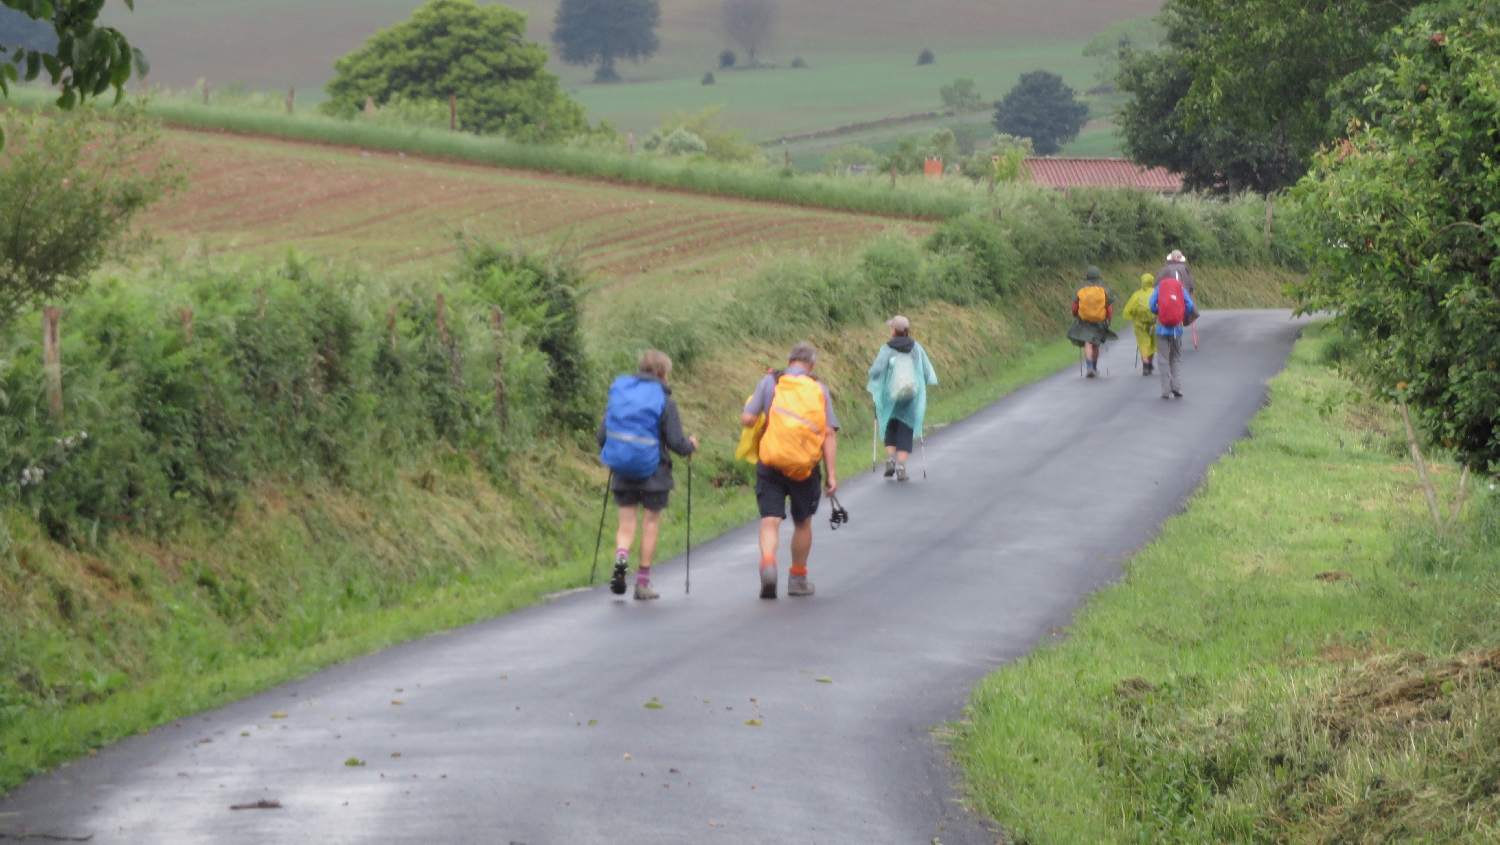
column 354, row 761
column 654, row 705
column 278, row 715
column 825, row 680
column 395, row 753
column 628, row 757
column 674, row 771
column 753, row 722
column 397, row 703
column 244, row 733
column 262, row 804
column 593, row 721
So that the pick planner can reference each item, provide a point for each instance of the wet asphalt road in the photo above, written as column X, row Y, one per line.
column 532, row 728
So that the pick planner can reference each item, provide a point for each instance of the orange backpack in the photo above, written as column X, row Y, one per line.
column 1093, row 303
column 795, row 427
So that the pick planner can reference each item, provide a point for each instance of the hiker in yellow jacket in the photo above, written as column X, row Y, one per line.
column 1138, row 310
column 801, row 431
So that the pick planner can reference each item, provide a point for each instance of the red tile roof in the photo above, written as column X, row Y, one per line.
column 1101, row 173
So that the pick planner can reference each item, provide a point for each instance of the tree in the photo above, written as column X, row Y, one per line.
column 960, row 96
column 605, row 31
column 82, row 59
column 727, row 59
column 1043, row 109
column 1265, row 66
column 750, row 24
column 478, row 55
column 1211, row 154
column 1404, row 220
column 70, row 187
column 926, row 57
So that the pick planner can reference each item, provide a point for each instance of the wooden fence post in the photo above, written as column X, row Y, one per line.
column 390, row 324
column 369, row 107
column 497, row 319
column 52, row 360
column 260, row 303
column 630, row 141
column 206, row 86
column 992, row 184
column 893, row 177
column 452, row 112
column 291, row 100
column 186, row 316
column 1269, row 200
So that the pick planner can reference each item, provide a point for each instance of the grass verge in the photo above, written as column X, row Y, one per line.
column 1297, row 658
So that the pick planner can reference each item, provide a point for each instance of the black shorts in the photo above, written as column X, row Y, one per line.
column 653, row 501
column 898, row 434
column 772, row 489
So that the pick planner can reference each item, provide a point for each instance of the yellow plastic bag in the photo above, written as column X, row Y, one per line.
column 749, row 448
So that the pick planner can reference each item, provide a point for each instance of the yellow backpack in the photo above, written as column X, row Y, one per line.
column 1092, row 304
column 795, row 427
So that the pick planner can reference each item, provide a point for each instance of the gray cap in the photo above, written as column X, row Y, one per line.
column 899, row 323
column 1093, row 273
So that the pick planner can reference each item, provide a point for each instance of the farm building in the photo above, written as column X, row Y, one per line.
column 1064, row 173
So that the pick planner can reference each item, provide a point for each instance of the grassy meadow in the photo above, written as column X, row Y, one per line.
column 1295, row 659
column 862, row 55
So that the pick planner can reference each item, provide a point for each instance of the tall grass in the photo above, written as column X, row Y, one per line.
column 1284, row 664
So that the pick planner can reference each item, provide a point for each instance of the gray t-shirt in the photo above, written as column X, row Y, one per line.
column 760, row 402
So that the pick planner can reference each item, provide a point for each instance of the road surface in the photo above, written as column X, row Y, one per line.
column 542, row 728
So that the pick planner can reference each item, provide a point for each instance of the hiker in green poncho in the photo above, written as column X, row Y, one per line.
column 898, row 383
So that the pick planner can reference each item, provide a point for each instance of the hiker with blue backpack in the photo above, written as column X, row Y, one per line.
column 641, row 426
column 898, row 383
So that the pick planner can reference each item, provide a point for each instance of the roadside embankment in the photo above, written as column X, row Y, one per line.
column 1296, row 658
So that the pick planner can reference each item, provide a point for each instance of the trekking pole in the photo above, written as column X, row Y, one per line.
column 1195, row 335
column 600, row 539
column 874, row 442
column 688, row 588
column 923, row 443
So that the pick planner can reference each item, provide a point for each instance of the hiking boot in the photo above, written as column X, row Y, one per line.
column 617, row 580
column 798, row 585
column 1092, row 373
column 768, row 582
column 890, row 466
column 1146, row 369
column 644, row 592
column 900, row 472
column 1177, row 393
column 1166, row 396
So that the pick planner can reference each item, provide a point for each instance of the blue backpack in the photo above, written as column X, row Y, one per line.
column 632, row 424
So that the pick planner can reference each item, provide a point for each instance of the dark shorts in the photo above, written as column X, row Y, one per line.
column 772, row 489
column 898, row 434
column 652, row 501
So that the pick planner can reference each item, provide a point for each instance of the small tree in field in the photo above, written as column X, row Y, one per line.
column 728, row 59
column 605, row 31
column 750, row 24
column 70, row 187
column 1404, row 220
column 960, row 96
column 1043, row 109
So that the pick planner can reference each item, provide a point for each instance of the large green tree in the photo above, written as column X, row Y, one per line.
column 603, row 32
column 476, row 54
column 1266, row 66
column 1404, row 220
column 1043, row 109
column 1212, row 154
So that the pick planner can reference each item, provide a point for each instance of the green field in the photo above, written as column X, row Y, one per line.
column 1296, row 659
column 862, row 55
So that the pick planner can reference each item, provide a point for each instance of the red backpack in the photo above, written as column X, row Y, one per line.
column 1171, row 303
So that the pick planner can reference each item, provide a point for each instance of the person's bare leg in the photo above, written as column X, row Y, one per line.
column 625, row 536
column 770, row 529
column 902, row 456
column 890, row 450
column 649, row 531
column 801, row 545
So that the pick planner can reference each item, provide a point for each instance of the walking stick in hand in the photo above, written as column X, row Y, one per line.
column 688, row 587
column 600, row 539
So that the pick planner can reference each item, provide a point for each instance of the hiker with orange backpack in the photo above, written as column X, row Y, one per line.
column 1093, row 308
column 641, row 425
column 898, row 383
column 801, row 431
column 1174, row 308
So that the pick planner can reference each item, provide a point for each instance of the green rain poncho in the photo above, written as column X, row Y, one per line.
column 912, row 411
column 1138, row 310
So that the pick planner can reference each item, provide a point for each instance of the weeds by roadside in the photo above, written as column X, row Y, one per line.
column 1294, row 659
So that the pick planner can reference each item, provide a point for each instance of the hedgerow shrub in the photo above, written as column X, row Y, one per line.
column 285, row 373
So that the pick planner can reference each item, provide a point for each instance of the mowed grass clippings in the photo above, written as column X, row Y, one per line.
column 1294, row 659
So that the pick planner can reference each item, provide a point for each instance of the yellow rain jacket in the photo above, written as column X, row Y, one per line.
column 1138, row 311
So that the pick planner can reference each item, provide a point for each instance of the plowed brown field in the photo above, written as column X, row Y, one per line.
column 256, row 197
